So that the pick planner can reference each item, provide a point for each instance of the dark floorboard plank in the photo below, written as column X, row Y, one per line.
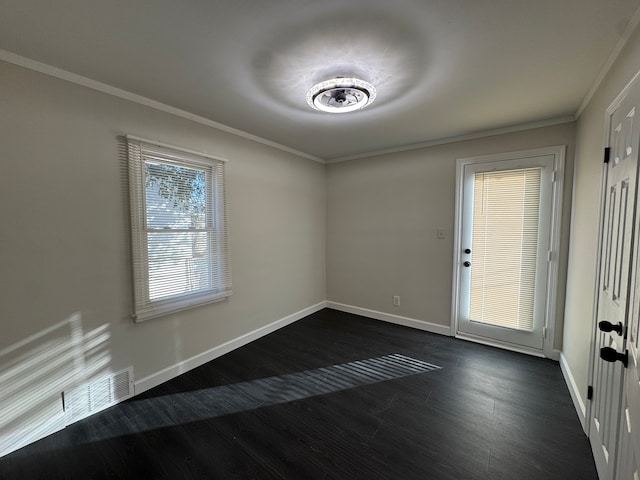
column 308, row 402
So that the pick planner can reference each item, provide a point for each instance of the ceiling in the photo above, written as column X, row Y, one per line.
column 442, row 68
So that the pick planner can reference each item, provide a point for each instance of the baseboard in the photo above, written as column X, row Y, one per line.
column 579, row 405
column 387, row 317
column 173, row 371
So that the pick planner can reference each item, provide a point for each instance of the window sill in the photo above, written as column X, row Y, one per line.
column 167, row 307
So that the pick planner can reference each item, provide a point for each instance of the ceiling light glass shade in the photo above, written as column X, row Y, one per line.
column 341, row 95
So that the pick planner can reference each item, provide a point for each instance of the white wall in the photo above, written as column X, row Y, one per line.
column 65, row 275
column 382, row 216
column 65, row 289
column 584, row 227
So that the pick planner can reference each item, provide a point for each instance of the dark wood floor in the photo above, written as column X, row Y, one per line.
column 301, row 403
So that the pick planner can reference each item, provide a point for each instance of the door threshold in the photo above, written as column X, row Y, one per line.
column 498, row 344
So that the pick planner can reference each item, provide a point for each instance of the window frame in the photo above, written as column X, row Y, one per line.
column 139, row 152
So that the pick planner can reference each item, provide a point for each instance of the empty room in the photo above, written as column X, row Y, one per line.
column 291, row 239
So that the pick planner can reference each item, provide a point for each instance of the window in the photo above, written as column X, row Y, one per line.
column 178, row 220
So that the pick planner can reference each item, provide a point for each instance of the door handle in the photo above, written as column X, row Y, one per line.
column 609, row 354
column 606, row 326
column 467, row 264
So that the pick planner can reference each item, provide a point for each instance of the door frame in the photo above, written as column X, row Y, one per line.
column 558, row 152
column 606, row 143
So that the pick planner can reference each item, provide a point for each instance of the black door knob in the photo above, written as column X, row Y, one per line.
column 467, row 251
column 609, row 354
column 610, row 327
column 467, row 264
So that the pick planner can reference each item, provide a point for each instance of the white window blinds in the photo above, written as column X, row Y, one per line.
column 504, row 247
column 178, row 220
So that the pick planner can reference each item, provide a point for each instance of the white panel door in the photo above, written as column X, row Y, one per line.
column 615, row 298
column 628, row 452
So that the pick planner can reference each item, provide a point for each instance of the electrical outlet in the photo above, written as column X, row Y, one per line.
column 396, row 300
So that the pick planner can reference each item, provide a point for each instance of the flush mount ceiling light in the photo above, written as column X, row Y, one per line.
column 341, row 95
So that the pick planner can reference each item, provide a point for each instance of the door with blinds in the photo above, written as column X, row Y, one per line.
column 505, row 250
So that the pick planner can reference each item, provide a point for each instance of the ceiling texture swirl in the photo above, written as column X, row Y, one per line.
column 441, row 68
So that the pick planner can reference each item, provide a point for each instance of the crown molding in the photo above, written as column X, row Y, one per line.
column 52, row 71
column 461, row 138
column 613, row 56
